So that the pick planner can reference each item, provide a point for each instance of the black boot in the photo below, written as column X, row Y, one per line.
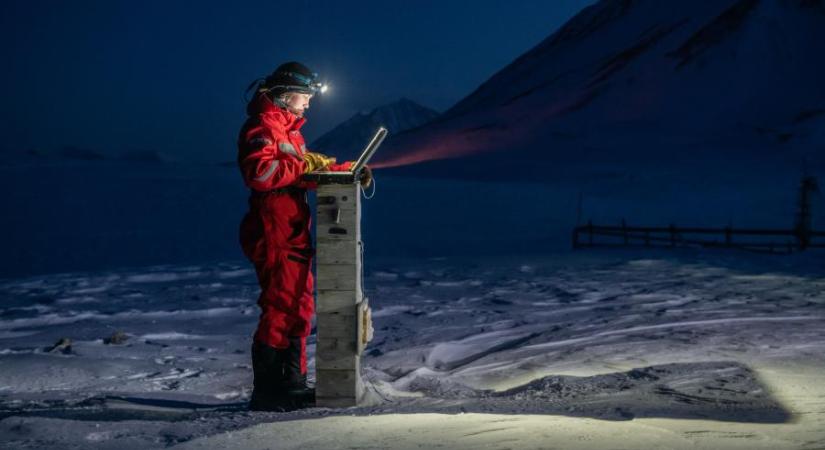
column 269, row 390
column 298, row 393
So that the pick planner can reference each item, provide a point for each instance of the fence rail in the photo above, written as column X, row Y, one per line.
column 672, row 236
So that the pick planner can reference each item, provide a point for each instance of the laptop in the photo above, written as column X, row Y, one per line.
column 350, row 176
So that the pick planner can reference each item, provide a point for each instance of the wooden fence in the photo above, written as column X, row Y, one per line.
column 757, row 240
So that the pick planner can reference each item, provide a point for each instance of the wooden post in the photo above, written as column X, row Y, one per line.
column 590, row 232
column 624, row 231
column 342, row 312
column 802, row 227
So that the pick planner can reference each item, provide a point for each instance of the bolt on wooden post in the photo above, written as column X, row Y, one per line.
column 343, row 316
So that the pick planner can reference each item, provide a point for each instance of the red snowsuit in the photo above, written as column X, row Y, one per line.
column 275, row 233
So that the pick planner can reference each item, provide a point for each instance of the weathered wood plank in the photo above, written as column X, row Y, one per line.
column 334, row 233
column 336, row 362
column 341, row 302
column 338, row 284
column 338, row 277
column 337, row 232
column 339, row 383
column 336, row 353
column 338, row 280
column 336, row 270
column 337, row 252
column 345, row 196
column 336, row 214
column 330, row 215
column 332, row 325
column 344, row 209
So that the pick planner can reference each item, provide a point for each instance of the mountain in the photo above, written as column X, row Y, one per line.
column 346, row 140
column 721, row 83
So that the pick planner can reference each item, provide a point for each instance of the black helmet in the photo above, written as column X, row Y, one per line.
column 291, row 77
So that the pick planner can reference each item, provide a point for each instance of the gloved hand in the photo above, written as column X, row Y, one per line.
column 317, row 161
column 366, row 177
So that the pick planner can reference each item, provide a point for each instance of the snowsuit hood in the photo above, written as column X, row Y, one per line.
column 261, row 105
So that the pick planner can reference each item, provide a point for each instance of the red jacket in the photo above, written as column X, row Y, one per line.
column 270, row 148
column 275, row 232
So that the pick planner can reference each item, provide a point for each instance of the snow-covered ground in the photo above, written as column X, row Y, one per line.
column 616, row 116
column 585, row 349
column 549, row 348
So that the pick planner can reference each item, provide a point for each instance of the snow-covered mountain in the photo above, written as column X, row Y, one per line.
column 348, row 139
column 712, row 82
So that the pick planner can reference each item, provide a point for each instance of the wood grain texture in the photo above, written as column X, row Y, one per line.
column 339, row 383
column 337, row 251
column 340, row 302
column 333, row 325
column 336, row 353
column 338, row 277
column 338, row 281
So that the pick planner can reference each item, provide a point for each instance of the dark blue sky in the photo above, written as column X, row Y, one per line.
column 169, row 76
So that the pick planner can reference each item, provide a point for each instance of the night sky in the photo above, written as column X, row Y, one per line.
column 169, row 76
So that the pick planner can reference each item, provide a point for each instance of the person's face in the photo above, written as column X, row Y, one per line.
column 298, row 103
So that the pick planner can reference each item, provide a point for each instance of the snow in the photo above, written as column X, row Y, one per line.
column 489, row 331
column 588, row 344
column 450, row 355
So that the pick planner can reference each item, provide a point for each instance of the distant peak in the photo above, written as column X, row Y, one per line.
column 404, row 103
column 397, row 116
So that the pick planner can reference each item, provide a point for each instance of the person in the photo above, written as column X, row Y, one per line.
column 275, row 232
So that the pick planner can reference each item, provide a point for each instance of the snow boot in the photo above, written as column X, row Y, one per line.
column 298, row 393
column 269, row 390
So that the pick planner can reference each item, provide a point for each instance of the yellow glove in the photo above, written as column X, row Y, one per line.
column 317, row 161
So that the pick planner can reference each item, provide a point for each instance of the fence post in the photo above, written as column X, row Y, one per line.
column 802, row 227
column 624, row 231
column 576, row 236
column 590, row 231
column 672, row 228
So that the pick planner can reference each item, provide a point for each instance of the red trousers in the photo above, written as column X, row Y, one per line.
column 275, row 236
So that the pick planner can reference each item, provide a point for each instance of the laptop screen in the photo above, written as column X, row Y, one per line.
column 376, row 141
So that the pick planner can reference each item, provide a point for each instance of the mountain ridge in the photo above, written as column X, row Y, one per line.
column 633, row 75
column 348, row 138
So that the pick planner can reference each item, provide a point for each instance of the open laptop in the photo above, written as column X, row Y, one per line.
column 350, row 176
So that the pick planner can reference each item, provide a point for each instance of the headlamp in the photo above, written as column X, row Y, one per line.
column 289, row 81
column 308, row 83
